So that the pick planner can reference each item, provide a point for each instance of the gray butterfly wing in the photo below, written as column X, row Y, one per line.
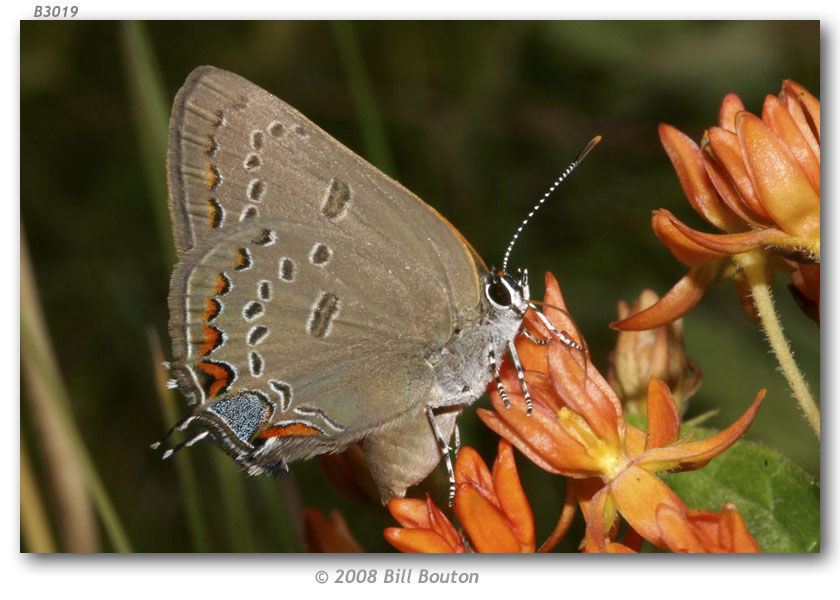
column 312, row 291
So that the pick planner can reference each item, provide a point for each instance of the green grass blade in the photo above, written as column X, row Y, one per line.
column 52, row 408
column 234, row 504
column 151, row 116
column 35, row 527
column 184, row 464
column 361, row 92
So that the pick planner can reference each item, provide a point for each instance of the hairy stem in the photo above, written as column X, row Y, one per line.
column 755, row 270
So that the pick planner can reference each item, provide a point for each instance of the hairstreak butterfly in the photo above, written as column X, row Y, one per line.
column 317, row 302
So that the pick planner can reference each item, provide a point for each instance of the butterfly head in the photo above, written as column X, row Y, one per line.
column 506, row 292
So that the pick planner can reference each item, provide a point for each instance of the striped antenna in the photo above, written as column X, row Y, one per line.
column 554, row 185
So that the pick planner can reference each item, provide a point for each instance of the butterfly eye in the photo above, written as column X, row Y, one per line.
column 498, row 292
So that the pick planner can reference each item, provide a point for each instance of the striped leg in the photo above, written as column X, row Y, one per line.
column 491, row 356
column 520, row 373
column 562, row 336
column 445, row 450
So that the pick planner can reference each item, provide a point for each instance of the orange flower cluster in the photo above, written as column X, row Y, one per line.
column 577, row 430
column 491, row 506
column 757, row 179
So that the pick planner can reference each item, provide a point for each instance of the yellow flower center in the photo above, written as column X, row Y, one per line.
column 611, row 460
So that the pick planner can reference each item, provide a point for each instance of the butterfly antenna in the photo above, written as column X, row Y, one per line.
column 554, row 185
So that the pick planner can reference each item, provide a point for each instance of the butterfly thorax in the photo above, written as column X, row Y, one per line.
column 464, row 365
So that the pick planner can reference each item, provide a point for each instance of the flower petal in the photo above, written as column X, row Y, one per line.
column 635, row 439
column 600, row 517
column 638, row 355
column 663, row 420
column 415, row 514
column 532, row 356
column 412, row 513
column 512, row 497
column 705, row 530
column 616, row 548
column 728, row 192
column 776, row 115
column 726, row 149
column 470, row 468
column 734, row 535
column 681, row 246
column 693, row 455
column 554, row 308
column 678, row 534
column 706, row 526
column 687, row 159
column 675, row 303
column 805, row 110
column 730, row 107
column 586, row 392
column 781, row 184
column 637, row 493
column 501, row 428
column 539, row 436
column 729, row 243
column 417, row 540
column 484, row 523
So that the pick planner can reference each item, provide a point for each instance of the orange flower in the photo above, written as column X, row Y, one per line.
column 755, row 179
column 577, row 430
column 658, row 352
column 491, row 506
column 706, row 531
column 328, row 535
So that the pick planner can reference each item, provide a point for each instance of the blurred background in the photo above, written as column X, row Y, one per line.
column 477, row 118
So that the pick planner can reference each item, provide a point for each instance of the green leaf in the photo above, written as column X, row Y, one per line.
column 779, row 500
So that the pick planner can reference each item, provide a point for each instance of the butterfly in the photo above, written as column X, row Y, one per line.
column 316, row 302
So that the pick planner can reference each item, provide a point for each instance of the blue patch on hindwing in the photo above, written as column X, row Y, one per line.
column 243, row 414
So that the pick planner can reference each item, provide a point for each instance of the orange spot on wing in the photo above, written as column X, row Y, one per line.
column 222, row 285
column 212, row 340
column 243, row 259
column 210, row 146
column 290, row 429
column 213, row 177
column 220, row 375
column 213, row 309
column 214, row 213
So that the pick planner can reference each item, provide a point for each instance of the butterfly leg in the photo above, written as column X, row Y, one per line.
column 491, row 356
column 562, row 336
column 520, row 373
column 197, row 437
column 179, row 426
column 533, row 338
column 443, row 444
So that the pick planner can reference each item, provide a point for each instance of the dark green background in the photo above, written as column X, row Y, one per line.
column 478, row 118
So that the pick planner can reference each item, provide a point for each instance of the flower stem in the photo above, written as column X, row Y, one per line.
column 754, row 267
column 567, row 516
